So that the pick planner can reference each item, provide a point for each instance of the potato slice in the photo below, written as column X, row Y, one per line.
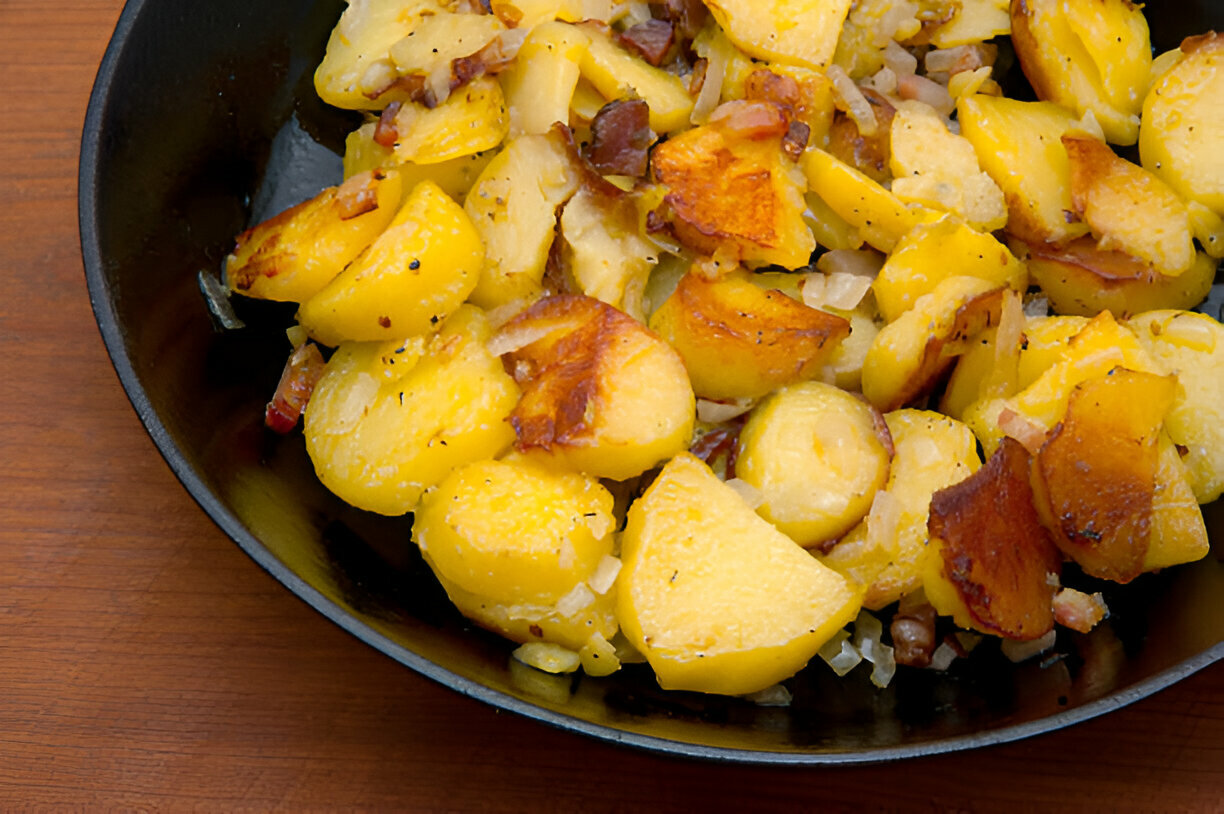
column 732, row 189
column 617, row 74
column 909, row 355
column 991, row 558
column 1081, row 279
column 887, row 551
column 1179, row 534
column 601, row 393
column 415, row 275
column 1094, row 479
column 1183, row 116
column 1192, row 346
column 604, row 249
column 293, row 255
column 390, row 419
column 1128, row 209
column 514, row 208
column 1087, row 57
column 878, row 215
column 795, row 32
column 518, row 535
column 973, row 21
column 471, row 120
column 455, row 176
column 739, row 341
column 541, row 84
column 1018, row 145
column 932, row 252
column 817, row 455
column 715, row 598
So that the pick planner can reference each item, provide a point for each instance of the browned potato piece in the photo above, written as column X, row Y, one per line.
column 1183, row 116
column 732, row 189
column 601, row 393
column 1128, row 209
column 994, row 556
column 1082, row 280
column 292, row 256
column 1095, row 477
column 1086, row 55
column 740, row 341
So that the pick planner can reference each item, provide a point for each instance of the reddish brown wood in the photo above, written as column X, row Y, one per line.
column 146, row 663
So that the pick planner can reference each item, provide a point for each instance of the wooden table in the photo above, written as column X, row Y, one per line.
column 146, row 663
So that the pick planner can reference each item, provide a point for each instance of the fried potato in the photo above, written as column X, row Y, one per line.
column 604, row 251
column 601, row 393
column 1179, row 534
column 817, row 455
column 418, row 272
column 808, row 38
column 455, row 176
column 390, row 419
column 716, row 598
column 293, row 255
column 617, row 74
column 540, row 86
column 472, row 119
column 878, row 215
column 973, row 21
column 739, row 341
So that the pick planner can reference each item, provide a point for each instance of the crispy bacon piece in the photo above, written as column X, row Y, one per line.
column 385, row 132
column 686, row 16
column 913, row 635
column 1077, row 610
column 651, row 40
column 621, row 138
column 995, row 551
column 720, row 442
column 302, row 372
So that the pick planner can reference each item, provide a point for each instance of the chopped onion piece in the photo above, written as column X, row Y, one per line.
column 1019, row 651
column 921, row 89
column 885, row 81
column 943, row 657
column 840, row 654
column 855, row 103
column 884, row 521
column 717, row 61
column 598, row 656
column 549, row 657
column 565, row 555
column 575, row 601
column 1038, row 305
column 867, row 633
column 859, row 262
column 885, row 666
column 900, row 61
column 1016, row 426
column 967, row 83
column 517, row 338
column 716, row 412
column 605, row 575
column 775, row 696
column 751, row 495
column 1079, row 611
column 845, row 291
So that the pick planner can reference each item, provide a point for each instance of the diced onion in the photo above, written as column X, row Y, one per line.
column 885, row 665
column 884, row 521
column 921, row 89
column 1019, row 651
column 712, row 86
column 967, row 83
column 943, row 657
column 1037, row 305
column 549, row 657
column 775, row 696
column 575, row 601
column 867, row 633
column 716, row 412
column 599, row 656
column 517, row 338
column 900, row 61
column 856, row 104
column 605, row 575
column 1016, row 426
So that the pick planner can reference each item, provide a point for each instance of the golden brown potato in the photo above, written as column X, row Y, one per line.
column 1087, row 56
column 291, row 256
column 604, row 250
column 613, row 71
column 809, row 38
column 471, row 120
column 1128, row 209
column 1178, row 532
column 732, row 189
column 601, row 393
column 1081, row 279
column 992, row 558
column 880, row 217
column 1094, row 479
column 740, row 341
column 1183, row 116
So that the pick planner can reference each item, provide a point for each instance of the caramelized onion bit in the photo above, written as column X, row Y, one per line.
column 302, row 372
column 621, row 138
column 358, row 194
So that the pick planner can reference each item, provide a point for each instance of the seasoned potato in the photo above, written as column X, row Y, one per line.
column 1192, row 347
column 439, row 39
column 455, row 177
column 878, row 215
column 541, row 84
column 603, row 249
column 514, row 208
column 1018, row 145
column 829, row 228
column 414, row 275
column 808, row 37
column 1081, row 279
column 1087, row 56
column 909, row 355
column 617, row 74
column 384, row 424
column 817, row 455
column 716, row 598
column 990, row 366
column 1094, row 478
column 472, row 119
column 522, row 537
column 932, row 252
column 1183, row 116
column 732, row 189
column 601, row 393
column 887, row 551
column 739, row 341
column 933, row 167
column 1178, row 532
column 990, row 557
column 973, row 21
column 293, row 255
column 1128, row 209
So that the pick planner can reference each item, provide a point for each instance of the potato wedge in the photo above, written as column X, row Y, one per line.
column 601, row 393
column 604, row 250
column 1179, row 534
column 739, row 341
column 795, row 32
column 418, row 272
column 390, row 419
column 471, row 120
column 817, row 455
column 716, row 598
column 878, row 215
column 541, row 84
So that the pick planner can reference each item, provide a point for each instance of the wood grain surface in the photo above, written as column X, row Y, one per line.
column 146, row 663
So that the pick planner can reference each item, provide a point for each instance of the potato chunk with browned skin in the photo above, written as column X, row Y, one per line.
column 732, row 189
column 740, row 341
column 601, row 393
column 1095, row 477
column 991, row 559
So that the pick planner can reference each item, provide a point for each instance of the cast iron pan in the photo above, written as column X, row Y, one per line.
column 203, row 120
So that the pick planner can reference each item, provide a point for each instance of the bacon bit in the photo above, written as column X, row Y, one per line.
column 698, row 77
column 385, row 132
column 651, row 40
column 358, row 194
column 686, row 16
column 717, row 443
column 742, row 119
column 302, row 372
column 913, row 635
column 767, row 86
column 1079, row 611
column 796, row 140
column 621, row 138
column 1030, row 435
